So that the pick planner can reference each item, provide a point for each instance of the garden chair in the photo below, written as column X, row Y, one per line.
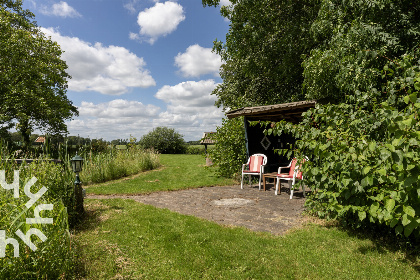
column 254, row 166
column 294, row 173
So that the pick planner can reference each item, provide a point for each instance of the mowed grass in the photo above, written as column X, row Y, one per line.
column 124, row 239
column 177, row 172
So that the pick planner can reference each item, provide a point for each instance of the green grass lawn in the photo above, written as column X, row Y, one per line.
column 178, row 172
column 123, row 239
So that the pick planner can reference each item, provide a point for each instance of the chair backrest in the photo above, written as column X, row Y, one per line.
column 255, row 162
column 294, row 165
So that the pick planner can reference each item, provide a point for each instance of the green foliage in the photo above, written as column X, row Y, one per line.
column 54, row 258
column 195, row 150
column 364, row 154
column 353, row 37
column 229, row 152
column 113, row 164
column 263, row 52
column 164, row 140
column 99, row 145
column 33, row 80
column 264, row 49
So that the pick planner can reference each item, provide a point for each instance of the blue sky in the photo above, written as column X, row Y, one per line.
column 137, row 64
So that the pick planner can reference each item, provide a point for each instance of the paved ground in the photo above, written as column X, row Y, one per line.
column 250, row 208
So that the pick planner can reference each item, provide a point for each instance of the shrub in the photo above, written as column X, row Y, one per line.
column 229, row 152
column 164, row 140
column 195, row 150
column 365, row 153
column 53, row 258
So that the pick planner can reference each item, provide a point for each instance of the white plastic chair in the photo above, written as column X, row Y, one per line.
column 294, row 173
column 255, row 166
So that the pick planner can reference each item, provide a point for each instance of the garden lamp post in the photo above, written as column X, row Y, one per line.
column 76, row 165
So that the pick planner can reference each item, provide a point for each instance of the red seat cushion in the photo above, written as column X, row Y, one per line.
column 255, row 163
column 284, row 175
column 291, row 171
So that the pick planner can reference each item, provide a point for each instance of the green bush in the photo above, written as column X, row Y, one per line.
column 164, row 140
column 229, row 152
column 195, row 150
column 364, row 154
column 54, row 257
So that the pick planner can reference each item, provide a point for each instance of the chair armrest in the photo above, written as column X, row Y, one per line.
column 284, row 167
column 243, row 166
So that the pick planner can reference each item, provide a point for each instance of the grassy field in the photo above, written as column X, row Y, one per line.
column 123, row 239
column 177, row 172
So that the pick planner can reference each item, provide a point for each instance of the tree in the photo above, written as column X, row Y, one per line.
column 119, row 142
column 355, row 39
column 264, row 50
column 262, row 56
column 33, row 78
column 165, row 140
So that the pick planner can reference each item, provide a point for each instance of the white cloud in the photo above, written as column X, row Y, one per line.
column 190, row 107
column 116, row 119
column 108, row 70
column 225, row 3
column 198, row 61
column 159, row 20
column 190, row 111
column 189, row 94
column 61, row 9
column 131, row 5
column 118, row 109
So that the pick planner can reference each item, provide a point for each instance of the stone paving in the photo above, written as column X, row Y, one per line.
column 229, row 205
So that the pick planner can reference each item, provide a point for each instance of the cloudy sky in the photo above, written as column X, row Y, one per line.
column 137, row 64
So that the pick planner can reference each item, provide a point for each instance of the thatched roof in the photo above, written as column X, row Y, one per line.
column 287, row 111
column 205, row 140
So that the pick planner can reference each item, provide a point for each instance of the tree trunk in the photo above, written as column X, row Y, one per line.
column 25, row 131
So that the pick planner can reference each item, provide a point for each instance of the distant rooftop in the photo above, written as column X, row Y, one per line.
column 40, row 139
column 206, row 140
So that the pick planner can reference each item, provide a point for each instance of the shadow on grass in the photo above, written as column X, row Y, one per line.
column 384, row 240
column 93, row 214
column 94, row 211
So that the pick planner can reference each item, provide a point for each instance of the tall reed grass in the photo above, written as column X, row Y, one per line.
column 55, row 257
column 114, row 164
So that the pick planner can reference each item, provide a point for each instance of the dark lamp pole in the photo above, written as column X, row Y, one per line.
column 76, row 165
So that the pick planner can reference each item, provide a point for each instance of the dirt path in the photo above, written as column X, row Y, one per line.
column 231, row 206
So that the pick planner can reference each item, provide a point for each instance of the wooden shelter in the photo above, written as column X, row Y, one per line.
column 207, row 140
column 257, row 142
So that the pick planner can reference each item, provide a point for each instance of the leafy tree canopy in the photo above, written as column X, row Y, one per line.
column 33, row 78
column 264, row 50
column 165, row 140
column 355, row 39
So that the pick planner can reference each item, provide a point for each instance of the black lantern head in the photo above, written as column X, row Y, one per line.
column 76, row 163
